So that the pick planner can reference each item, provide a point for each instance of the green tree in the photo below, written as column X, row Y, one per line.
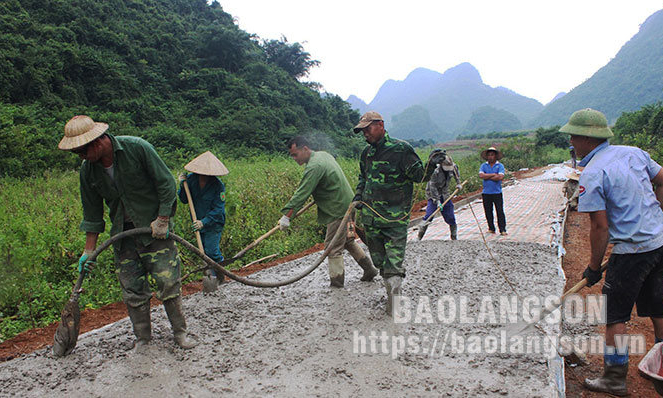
column 290, row 57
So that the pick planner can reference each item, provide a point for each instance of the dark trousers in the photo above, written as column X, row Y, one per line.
column 488, row 200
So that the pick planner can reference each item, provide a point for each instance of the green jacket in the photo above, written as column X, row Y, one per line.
column 388, row 170
column 324, row 179
column 143, row 188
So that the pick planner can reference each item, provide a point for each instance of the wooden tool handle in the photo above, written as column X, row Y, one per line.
column 454, row 193
column 269, row 233
column 582, row 283
column 193, row 214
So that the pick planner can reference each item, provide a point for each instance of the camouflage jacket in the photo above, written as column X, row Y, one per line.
column 438, row 186
column 388, row 170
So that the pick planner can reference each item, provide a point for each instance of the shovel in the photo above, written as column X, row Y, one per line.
column 253, row 244
column 209, row 285
column 425, row 225
column 66, row 334
column 523, row 326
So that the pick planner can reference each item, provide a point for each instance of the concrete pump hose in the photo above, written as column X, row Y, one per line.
column 341, row 233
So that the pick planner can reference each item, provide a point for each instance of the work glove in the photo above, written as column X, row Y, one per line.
column 284, row 222
column 357, row 199
column 592, row 276
column 181, row 177
column 84, row 264
column 160, row 227
column 197, row 225
column 459, row 187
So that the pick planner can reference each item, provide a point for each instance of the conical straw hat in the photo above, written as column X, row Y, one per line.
column 81, row 130
column 573, row 176
column 207, row 164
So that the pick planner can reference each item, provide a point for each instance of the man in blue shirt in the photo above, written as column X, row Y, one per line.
column 492, row 174
column 615, row 188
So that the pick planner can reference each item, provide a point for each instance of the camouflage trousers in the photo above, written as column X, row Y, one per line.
column 134, row 262
column 387, row 248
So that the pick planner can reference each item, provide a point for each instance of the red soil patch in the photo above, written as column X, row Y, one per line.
column 576, row 243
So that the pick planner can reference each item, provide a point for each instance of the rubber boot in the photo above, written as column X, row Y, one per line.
column 370, row 271
column 140, row 320
column 422, row 231
column 612, row 382
column 454, row 231
column 393, row 286
column 336, row 271
column 210, row 282
column 174, row 312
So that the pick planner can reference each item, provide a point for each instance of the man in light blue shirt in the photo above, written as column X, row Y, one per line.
column 492, row 174
column 615, row 188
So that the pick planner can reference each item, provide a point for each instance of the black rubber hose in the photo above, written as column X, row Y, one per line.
column 340, row 233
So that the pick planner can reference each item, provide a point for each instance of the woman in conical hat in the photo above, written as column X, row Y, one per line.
column 209, row 200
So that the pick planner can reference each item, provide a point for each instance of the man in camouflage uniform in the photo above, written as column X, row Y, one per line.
column 388, row 169
column 139, row 190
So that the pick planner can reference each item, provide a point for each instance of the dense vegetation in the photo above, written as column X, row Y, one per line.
column 488, row 118
column 415, row 123
column 494, row 135
column 642, row 128
column 177, row 72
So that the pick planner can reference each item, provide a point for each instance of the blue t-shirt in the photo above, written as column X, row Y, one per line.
column 617, row 179
column 490, row 186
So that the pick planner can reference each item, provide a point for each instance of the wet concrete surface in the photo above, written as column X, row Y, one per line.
column 308, row 339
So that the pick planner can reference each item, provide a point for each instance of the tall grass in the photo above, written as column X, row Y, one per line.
column 40, row 242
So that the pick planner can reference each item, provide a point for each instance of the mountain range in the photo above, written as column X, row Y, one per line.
column 458, row 101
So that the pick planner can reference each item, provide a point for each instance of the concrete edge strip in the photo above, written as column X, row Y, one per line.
column 556, row 364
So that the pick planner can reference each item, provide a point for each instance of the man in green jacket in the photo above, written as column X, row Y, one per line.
column 388, row 169
column 127, row 174
column 325, row 181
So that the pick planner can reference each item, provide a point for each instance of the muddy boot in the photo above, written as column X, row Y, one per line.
column 393, row 286
column 174, row 311
column 140, row 319
column 422, row 231
column 210, row 283
column 612, row 382
column 336, row 271
column 370, row 271
column 454, row 231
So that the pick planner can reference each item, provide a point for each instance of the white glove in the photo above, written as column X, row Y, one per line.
column 181, row 177
column 284, row 222
column 459, row 187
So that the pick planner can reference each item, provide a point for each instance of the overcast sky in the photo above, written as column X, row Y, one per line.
column 535, row 48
